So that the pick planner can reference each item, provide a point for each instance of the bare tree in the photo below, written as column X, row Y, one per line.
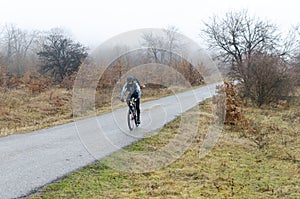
column 297, row 56
column 162, row 46
column 60, row 56
column 166, row 48
column 238, row 39
column 154, row 43
column 237, row 36
column 173, row 42
column 291, row 43
column 16, row 45
column 297, row 69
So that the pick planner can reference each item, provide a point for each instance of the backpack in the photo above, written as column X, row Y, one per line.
column 135, row 80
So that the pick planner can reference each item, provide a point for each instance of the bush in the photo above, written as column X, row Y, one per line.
column 269, row 79
column 35, row 82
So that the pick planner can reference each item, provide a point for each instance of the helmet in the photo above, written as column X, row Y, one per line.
column 130, row 79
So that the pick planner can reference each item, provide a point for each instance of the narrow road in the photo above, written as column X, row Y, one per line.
column 32, row 160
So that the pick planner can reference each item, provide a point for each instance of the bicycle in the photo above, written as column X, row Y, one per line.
column 132, row 115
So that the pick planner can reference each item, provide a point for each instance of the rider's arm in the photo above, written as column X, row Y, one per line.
column 138, row 89
column 123, row 91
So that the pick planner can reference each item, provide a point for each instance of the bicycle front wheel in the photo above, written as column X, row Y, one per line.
column 131, row 120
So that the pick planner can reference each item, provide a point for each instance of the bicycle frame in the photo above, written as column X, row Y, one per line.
column 132, row 115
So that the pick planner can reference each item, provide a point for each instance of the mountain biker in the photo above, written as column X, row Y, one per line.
column 134, row 91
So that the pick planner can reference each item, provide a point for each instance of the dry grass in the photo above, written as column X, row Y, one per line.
column 21, row 111
column 235, row 168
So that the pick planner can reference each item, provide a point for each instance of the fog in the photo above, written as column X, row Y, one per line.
column 93, row 22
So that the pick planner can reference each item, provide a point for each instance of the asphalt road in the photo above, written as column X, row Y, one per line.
column 32, row 160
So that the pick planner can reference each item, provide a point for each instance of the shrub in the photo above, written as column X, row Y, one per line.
column 228, row 105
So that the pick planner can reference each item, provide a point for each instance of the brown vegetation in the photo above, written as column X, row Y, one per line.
column 228, row 104
column 229, row 109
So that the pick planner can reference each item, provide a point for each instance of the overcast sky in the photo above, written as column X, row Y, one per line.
column 94, row 21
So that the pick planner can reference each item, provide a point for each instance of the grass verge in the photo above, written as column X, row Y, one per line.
column 235, row 168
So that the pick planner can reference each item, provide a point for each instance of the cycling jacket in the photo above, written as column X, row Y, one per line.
column 134, row 88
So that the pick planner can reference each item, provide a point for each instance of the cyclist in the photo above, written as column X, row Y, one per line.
column 134, row 91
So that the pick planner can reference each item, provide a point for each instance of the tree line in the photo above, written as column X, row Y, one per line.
column 49, row 55
column 252, row 51
column 55, row 58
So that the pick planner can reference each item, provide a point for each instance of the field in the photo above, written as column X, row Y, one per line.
column 260, row 163
column 22, row 111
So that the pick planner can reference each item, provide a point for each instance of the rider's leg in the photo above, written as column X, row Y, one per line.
column 138, row 109
column 128, row 102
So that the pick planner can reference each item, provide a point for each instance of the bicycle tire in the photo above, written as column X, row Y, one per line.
column 130, row 120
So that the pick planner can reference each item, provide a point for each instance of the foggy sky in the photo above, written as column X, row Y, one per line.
column 93, row 21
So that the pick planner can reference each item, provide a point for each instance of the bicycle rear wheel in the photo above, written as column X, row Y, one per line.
column 131, row 120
